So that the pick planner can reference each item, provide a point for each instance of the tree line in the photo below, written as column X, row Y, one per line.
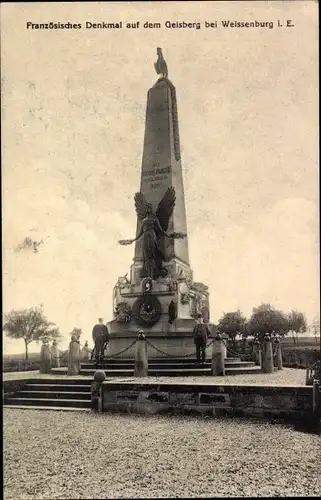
column 265, row 319
column 31, row 325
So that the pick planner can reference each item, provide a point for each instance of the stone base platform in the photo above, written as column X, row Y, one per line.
column 168, row 339
column 158, row 345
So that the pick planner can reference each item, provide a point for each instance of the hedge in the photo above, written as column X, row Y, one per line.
column 299, row 357
column 14, row 365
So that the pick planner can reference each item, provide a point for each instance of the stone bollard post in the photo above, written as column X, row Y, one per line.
column 55, row 361
column 45, row 358
column 218, row 353
column 224, row 348
column 257, row 353
column 308, row 376
column 141, row 361
column 85, row 352
column 96, row 399
column 316, row 402
column 278, row 354
column 74, row 356
column 268, row 355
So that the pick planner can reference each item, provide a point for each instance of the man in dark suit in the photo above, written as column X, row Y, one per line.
column 201, row 334
column 100, row 337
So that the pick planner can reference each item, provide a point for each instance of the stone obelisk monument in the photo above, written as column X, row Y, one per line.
column 161, row 296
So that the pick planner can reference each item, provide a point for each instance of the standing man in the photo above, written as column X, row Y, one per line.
column 100, row 337
column 200, row 333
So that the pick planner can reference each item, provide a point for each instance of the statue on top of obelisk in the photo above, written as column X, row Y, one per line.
column 160, row 64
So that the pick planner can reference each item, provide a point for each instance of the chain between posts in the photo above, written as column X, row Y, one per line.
column 121, row 352
column 230, row 351
column 173, row 355
column 154, row 347
column 275, row 350
column 117, row 353
column 89, row 350
column 61, row 356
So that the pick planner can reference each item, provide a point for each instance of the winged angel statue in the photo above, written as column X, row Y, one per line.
column 153, row 231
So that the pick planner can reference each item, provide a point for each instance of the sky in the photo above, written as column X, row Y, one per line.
column 73, row 111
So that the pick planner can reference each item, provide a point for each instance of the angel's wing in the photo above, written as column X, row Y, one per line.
column 140, row 205
column 165, row 207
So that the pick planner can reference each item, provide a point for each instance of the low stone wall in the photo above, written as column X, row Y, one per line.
column 286, row 402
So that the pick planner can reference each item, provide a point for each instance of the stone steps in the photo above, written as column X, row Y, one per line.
column 168, row 367
column 155, row 366
column 52, row 408
column 61, row 385
column 157, row 361
column 157, row 372
column 57, row 393
column 61, row 394
column 240, row 370
column 42, row 401
column 164, row 367
column 173, row 372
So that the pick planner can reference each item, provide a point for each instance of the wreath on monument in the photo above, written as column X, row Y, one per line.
column 147, row 310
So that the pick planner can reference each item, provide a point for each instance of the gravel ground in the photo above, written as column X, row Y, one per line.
column 36, row 374
column 287, row 376
column 71, row 455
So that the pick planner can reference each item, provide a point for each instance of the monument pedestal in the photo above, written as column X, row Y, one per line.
column 165, row 313
column 176, row 344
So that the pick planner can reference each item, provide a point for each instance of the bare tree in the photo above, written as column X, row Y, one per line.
column 29, row 325
column 315, row 327
column 297, row 324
